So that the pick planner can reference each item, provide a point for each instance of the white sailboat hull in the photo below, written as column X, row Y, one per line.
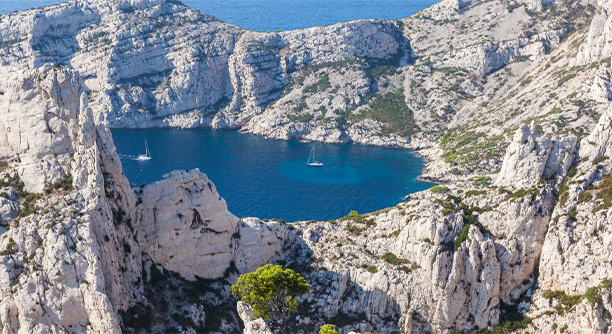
column 312, row 160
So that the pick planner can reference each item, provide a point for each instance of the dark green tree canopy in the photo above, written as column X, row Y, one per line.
column 271, row 292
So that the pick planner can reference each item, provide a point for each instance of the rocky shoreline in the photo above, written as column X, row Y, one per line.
column 508, row 103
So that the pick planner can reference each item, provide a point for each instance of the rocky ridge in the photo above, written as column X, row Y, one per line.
column 515, row 241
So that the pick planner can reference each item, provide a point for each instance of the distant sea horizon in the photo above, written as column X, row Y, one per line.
column 274, row 15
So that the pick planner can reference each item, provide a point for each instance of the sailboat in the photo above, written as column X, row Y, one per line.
column 147, row 155
column 312, row 160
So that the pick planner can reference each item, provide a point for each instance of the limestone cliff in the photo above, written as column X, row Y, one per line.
column 508, row 101
column 77, row 238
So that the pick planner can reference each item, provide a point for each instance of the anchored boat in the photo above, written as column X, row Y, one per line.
column 147, row 155
column 312, row 160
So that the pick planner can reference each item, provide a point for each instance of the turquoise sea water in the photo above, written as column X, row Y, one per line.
column 272, row 15
column 270, row 178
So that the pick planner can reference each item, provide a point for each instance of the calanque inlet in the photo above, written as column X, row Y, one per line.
column 508, row 102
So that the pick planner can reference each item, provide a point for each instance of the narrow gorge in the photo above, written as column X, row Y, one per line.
column 508, row 102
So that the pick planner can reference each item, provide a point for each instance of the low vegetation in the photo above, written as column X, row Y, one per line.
column 604, row 193
column 301, row 118
column 439, row 189
column 321, row 85
column 9, row 250
column 393, row 259
column 372, row 269
column 271, row 291
column 64, row 183
column 469, row 148
column 328, row 329
column 391, row 109
column 567, row 302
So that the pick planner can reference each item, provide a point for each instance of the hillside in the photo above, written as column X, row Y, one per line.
column 507, row 101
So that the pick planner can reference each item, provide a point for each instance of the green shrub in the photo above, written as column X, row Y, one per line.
column 481, row 180
column 372, row 269
column 599, row 160
column 439, row 189
column 567, row 302
column 301, row 118
column 321, row 85
column 354, row 229
column 604, row 192
column 28, row 206
column 409, row 268
column 328, row 329
column 354, row 216
column 9, row 250
column 470, row 193
column 64, row 183
column 456, row 171
column 392, row 110
column 463, row 236
column 271, row 291
column 392, row 259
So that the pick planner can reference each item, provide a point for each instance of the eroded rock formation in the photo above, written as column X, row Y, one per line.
column 521, row 240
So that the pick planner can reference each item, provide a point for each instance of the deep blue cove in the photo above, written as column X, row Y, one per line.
column 269, row 178
column 272, row 15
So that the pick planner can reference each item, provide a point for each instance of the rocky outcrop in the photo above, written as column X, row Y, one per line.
column 531, row 157
column 252, row 325
column 184, row 211
column 601, row 90
column 597, row 44
column 576, row 258
column 72, row 255
column 61, row 268
column 38, row 131
column 184, row 225
column 599, row 143
column 488, row 57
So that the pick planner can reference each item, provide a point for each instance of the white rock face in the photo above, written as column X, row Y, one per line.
column 184, row 212
column 38, row 131
column 576, row 254
column 62, row 270
column 601, row 90
column 530, row 157
column 184, row 226
column 258, row 243
column 598, row 43
column 159, row 63
column 599, row 142
column 252, row 325
column 488, row 57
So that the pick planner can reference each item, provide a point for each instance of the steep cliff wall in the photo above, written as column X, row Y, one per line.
column 519, row 242
column 65, row 264
column 76, row 238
